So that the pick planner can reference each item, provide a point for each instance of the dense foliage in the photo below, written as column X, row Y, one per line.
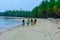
column 16, row 13
column 47, row 8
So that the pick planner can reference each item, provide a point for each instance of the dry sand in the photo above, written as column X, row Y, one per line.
column 45, row 29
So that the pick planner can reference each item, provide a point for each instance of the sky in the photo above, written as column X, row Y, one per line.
column 18, row 4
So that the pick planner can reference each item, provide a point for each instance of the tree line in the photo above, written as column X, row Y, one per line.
column 47, row 8
column 16, row 13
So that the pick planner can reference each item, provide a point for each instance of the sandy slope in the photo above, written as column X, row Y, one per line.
column 45, row 29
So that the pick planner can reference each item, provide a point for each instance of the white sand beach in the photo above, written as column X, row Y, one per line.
column 45, row 29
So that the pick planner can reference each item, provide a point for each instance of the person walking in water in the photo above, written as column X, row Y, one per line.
column 23, row 21
column 35, row 21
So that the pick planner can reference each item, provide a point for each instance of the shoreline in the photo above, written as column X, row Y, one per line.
column 43, row 30
column 13, row 26
column 6, row 30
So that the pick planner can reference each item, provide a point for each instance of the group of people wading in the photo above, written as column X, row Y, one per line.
column 29, row 21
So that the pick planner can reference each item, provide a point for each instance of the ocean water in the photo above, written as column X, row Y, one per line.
column 8, row 23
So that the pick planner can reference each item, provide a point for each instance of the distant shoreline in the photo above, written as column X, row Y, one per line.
column 10, row 17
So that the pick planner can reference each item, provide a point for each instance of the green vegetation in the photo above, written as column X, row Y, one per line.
column 46, row 9
column 16, row 13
